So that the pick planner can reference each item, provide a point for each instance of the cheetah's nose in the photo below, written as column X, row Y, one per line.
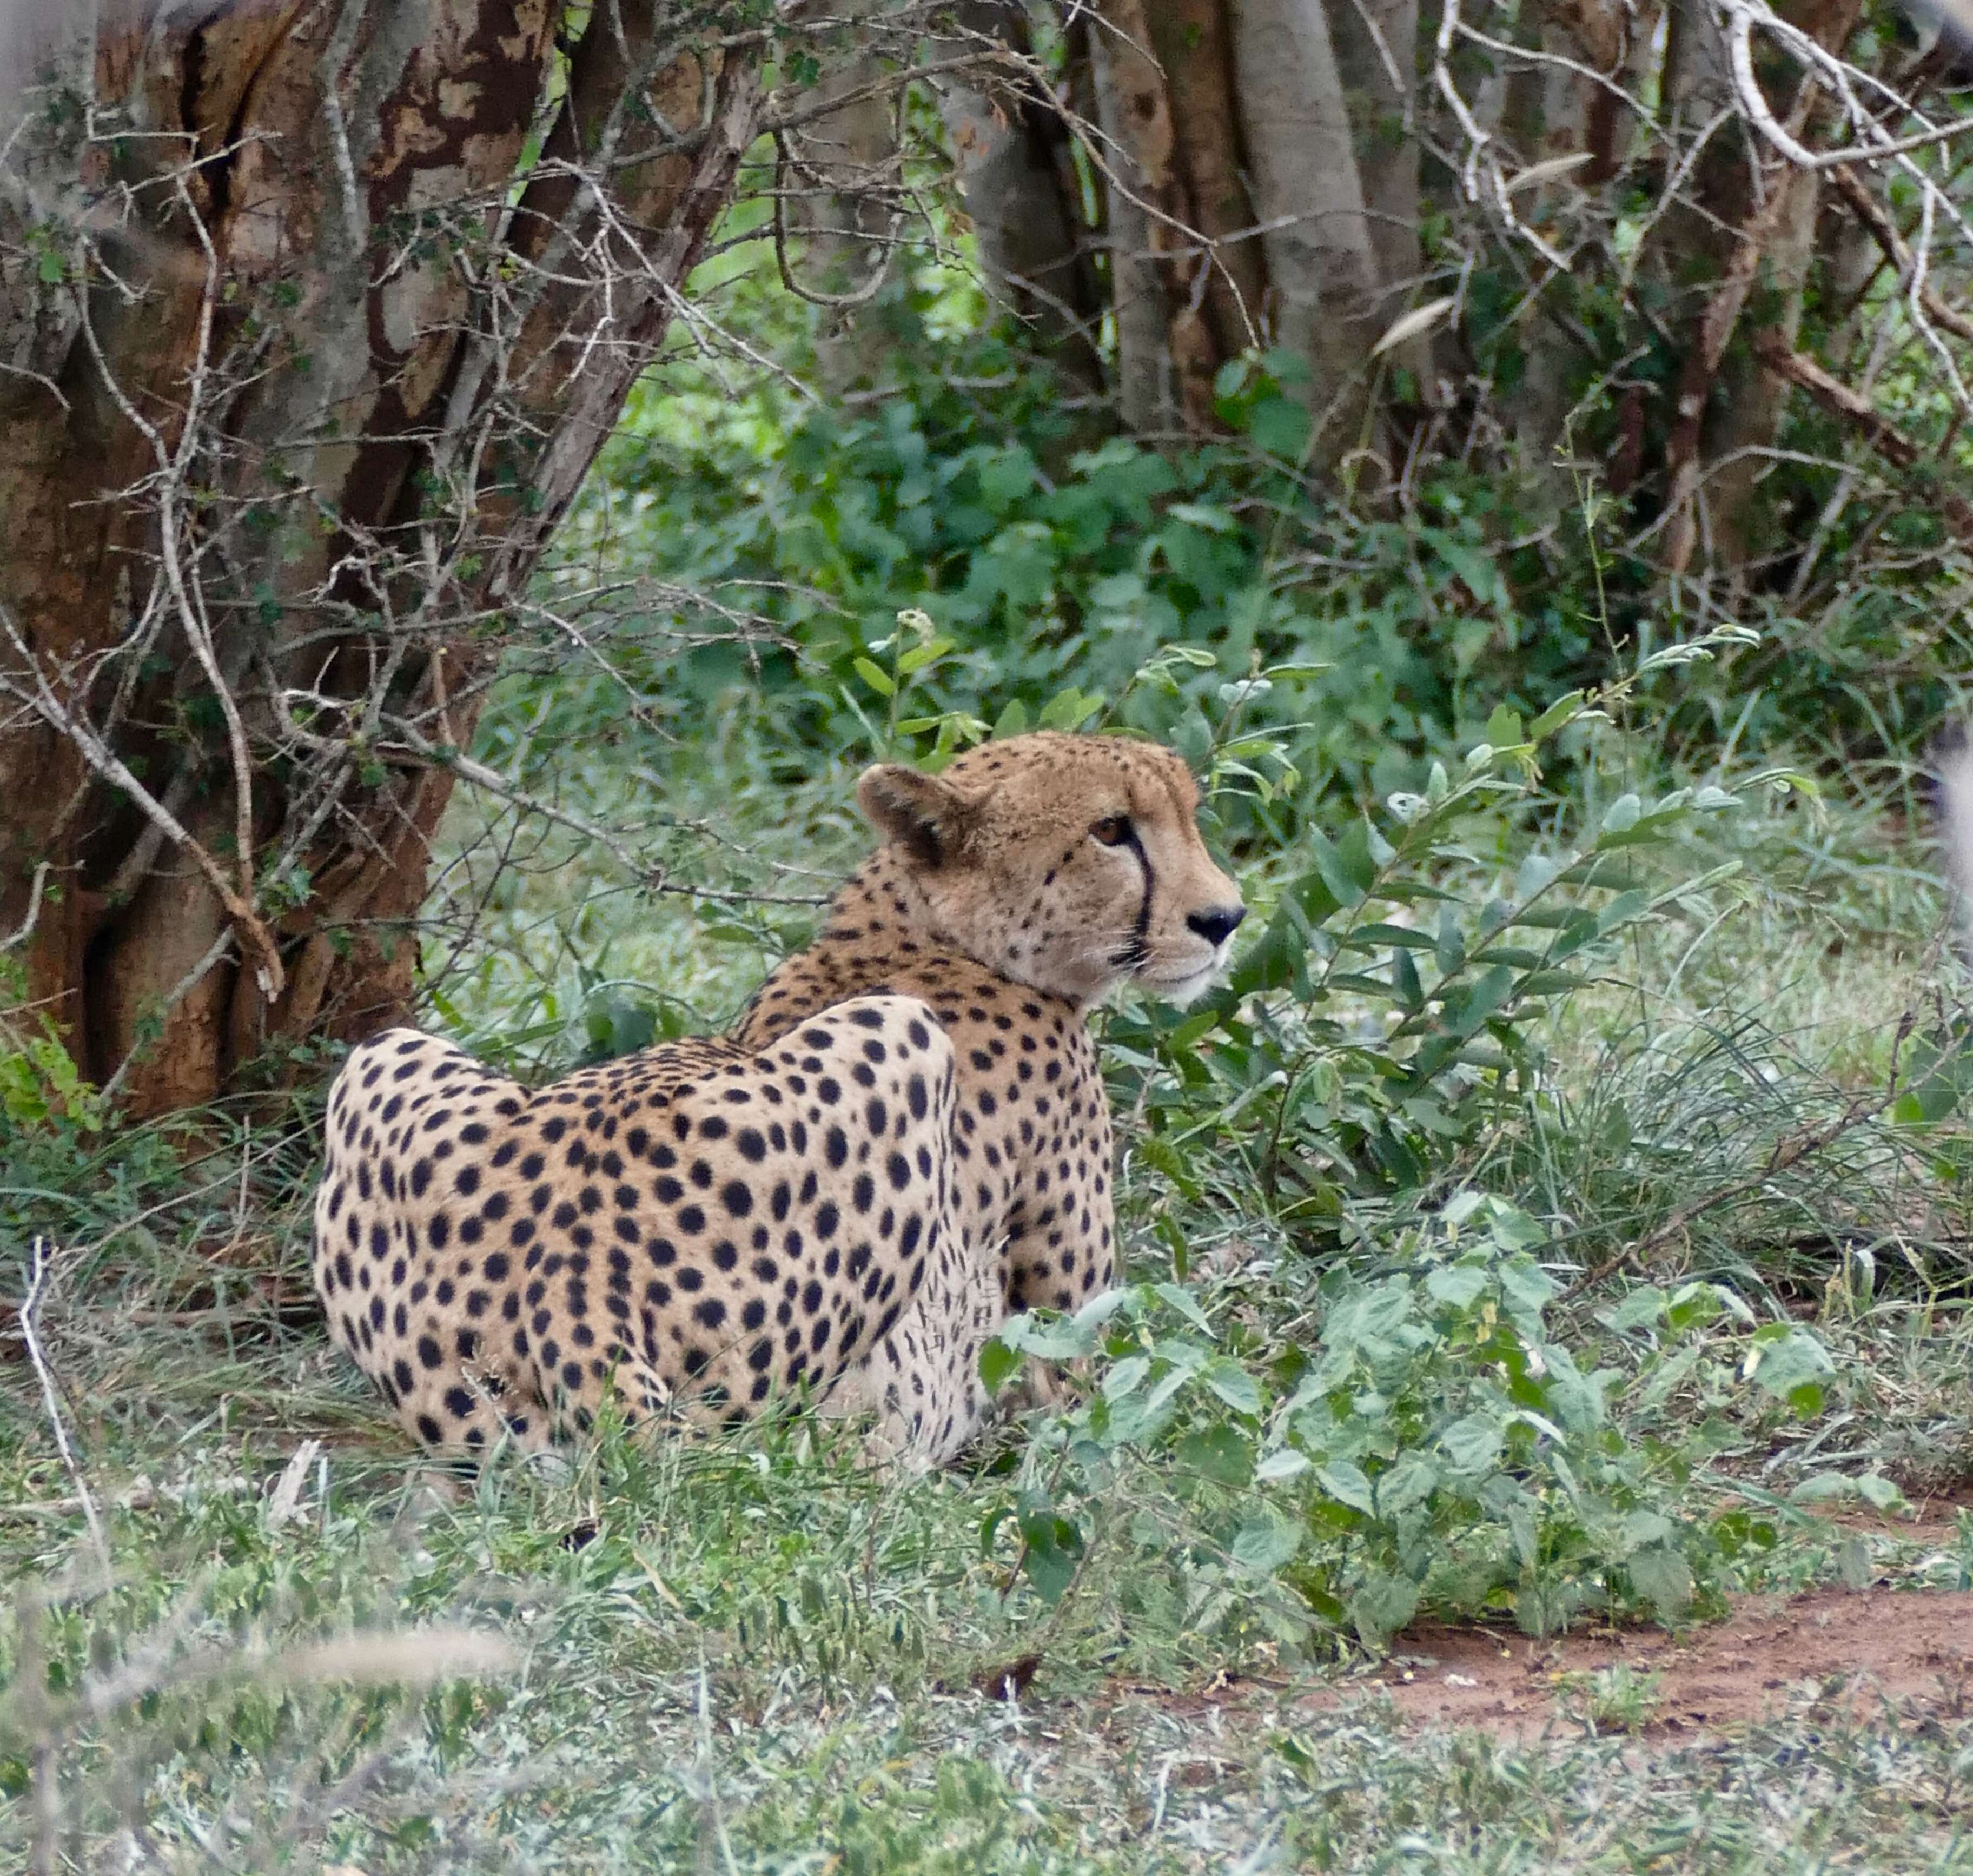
column 1218, row 924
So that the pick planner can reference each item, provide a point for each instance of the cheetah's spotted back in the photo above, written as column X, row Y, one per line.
column 850, row 1193
column 701, row 1222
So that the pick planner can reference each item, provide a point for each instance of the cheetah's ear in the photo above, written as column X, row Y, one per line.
column 929, row 818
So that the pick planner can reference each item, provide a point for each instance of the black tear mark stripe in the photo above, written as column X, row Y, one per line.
column 1139, row 950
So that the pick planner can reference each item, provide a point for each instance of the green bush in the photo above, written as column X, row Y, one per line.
column 1435, row 1448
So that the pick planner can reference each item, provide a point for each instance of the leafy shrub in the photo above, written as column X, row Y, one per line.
column 40, row 1088
column 1386, row 1018
column 1055, row 558
column 1405, row 1427
column 1435, row 1447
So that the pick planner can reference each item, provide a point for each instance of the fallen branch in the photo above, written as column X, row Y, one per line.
column 1883, row 231
column 1877, row 430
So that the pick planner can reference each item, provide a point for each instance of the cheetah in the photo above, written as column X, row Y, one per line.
column 1011, row 893
column 691, row 1229
column 903, row 1138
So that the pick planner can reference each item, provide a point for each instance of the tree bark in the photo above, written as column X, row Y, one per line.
column 1011, row 150
column 1193, row 42
column 289, row 425
column 1157, row 336
column 1375, row 43
column 1308, row 192
column 1726, row 409
column 836, row 187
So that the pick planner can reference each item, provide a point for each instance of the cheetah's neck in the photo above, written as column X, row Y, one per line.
column 879, row 936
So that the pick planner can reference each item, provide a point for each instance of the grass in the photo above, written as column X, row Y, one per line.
column 761, row 1654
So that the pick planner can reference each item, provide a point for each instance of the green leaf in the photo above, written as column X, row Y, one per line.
column 1485, row 997
column 1822, row 1488
column 1664, row 1578
column 1381, row 1607
column 1621, row 814
column 1473, row 1443
column 1266, row 1542
column 1644, row 1528
column 1881, row 1493
column 1565, row 709
column 1052, row 1547
column 1284, row 1463
column 1409, row 1481
column 1347, row 1482
column 1790, row 1364
column 1125, row 1377
column 1012, row 720
column 920, row 655
column 1233, row 1385
column 999, row 1364
column 1218, row 1453
column 1526, row 1285
column 1065, row 1340
column 1503, row 728
column 1641, row 1308
column 1458, row 1286
column 874, row 675
column 1183, row 1301
column 1281, row 426
column 1201, row 514
column 1068, row 709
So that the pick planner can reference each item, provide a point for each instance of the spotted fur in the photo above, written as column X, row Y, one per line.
column 703, row 1224
column 905, row 1137
column 1007, row 897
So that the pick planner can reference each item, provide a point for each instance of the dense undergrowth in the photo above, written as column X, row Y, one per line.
column 1560, row 1214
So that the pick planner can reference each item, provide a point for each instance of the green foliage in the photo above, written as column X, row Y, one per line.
column 1429, row 1446
column 42, row 1091
column 1391, row 1010
column 1052, row 561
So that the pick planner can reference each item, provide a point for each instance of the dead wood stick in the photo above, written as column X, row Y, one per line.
column 1870, row 211
column 1877, row 430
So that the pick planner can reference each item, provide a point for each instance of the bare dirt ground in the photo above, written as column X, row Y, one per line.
column 1840, row 1647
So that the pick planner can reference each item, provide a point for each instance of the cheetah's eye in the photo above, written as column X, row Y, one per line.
column 1113, row 830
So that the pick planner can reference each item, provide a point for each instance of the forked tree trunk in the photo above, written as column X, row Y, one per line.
column 314, row 322
column 1309, row 193
column 1017, row 181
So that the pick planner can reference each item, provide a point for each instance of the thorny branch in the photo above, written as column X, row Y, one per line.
column 285, row 719
column 342, row 700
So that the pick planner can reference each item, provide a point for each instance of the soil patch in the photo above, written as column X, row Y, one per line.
column 1840, row 1649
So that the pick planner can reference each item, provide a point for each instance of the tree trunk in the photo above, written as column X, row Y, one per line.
column 294, row 412
column 1193, row 42
column 1726, row 406
column 1017, row 179
column 837, row 187
column 1134, row 114
column 1308, row 192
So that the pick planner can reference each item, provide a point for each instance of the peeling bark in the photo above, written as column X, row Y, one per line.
column 1134, row 115
column 1308, row 192
column 369, row 449
column 1193, row 42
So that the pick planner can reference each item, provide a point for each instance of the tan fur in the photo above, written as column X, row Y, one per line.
column 992, row 901
column 1954, row 765
column 905, row 1136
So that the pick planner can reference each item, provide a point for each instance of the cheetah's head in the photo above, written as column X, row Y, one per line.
column 1070, row 863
